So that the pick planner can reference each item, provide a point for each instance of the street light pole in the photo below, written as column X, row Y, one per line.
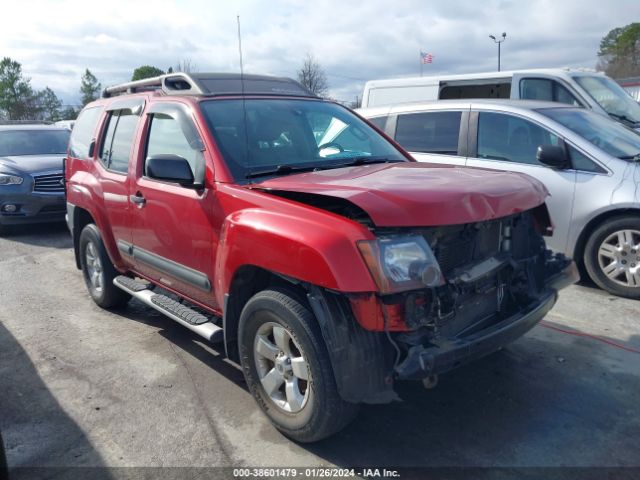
column 504, row 37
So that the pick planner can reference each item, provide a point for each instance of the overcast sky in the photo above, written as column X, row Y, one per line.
column 354, row 41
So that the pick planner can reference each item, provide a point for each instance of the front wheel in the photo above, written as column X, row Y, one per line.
column 287, row 367
column 98, row 271
column 612, row 256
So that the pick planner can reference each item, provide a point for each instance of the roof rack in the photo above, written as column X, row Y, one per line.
column 213, row 84
column 174, row 82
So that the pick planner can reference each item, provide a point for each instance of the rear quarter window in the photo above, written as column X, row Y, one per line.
column 83, row 132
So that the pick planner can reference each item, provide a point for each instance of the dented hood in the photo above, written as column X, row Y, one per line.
column 419, row 194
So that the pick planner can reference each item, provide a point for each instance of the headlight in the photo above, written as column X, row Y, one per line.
column 401, row 263
column 6, row 179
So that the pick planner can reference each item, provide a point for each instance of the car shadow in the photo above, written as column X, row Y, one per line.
column 531, row 404
column 40, row 439
column 211, row 355
column 52, row 235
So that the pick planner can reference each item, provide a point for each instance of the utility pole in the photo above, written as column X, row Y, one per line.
column 504, row 37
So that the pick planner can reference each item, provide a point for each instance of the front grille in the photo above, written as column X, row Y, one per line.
column 460, row 246
column 52, row 183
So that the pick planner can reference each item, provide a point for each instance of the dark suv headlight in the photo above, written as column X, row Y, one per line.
column 6, row 179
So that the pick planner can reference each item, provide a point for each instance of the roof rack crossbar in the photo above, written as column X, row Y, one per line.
column 172, row 82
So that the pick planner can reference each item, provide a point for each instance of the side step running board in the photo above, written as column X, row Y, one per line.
column 176, row 311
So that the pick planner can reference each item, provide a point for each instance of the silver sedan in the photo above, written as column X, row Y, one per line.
column 589, row 164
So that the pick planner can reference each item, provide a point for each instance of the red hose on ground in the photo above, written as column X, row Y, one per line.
column 587, row 335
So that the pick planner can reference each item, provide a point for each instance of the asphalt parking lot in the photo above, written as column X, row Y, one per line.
column 80, row 386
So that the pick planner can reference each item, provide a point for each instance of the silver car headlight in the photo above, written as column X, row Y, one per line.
column 6, row 179
column 401, row 263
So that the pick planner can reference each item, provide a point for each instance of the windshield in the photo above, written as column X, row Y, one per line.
column 265, row 135
column 612, row 137
column 33, row 142
column 612, row 98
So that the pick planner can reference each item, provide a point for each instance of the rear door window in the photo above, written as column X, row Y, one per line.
column 116, row 146
column 429, row 132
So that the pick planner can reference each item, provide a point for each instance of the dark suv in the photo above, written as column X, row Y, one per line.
column 31, row 178
column 328, row 263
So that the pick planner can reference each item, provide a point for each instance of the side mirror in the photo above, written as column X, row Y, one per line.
column 92, row 148
column 171, row 168
column 553, row 156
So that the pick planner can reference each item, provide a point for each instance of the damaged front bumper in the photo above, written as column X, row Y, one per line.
column 439, row 356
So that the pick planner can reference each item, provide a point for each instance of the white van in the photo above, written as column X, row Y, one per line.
column 586, row 88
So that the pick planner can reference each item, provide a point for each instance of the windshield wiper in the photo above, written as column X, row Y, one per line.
column 286, row 169
column 281, row 170
column 635, row 158
column 355, row 161
column 624, row 118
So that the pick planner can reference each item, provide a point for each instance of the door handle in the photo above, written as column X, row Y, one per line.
column 138, row 199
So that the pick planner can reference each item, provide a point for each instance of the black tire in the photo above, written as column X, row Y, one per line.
column 324, row 412
column 4, row 470
column 107, row 295
column 631, row 257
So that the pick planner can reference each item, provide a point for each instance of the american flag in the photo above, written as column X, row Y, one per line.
column 426, row 57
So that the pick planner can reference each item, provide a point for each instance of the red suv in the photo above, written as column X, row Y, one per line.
column 328, row 263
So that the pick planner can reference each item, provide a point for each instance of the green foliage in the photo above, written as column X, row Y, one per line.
column 89, row 87
column 69, row 113
column 620, row 51
column 146, row 71
column 17, row 99
column 50, row 105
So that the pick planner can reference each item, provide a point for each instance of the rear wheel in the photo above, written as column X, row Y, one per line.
column 287, row 367
column 98, row 271
column 612, row 256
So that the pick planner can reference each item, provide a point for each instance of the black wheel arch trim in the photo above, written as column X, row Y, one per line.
column 362, row 361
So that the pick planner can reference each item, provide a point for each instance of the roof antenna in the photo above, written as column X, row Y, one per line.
column 244, row 107
column 240, row 47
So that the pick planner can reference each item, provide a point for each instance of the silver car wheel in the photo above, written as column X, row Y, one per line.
column 94, row 267
column 619, row 258
column 282, row 368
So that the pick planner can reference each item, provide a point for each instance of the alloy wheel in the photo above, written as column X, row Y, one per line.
column 619, row 257
column 94, row 267
column 282, row 367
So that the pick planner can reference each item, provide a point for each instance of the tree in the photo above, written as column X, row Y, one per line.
column 50, row 105
column 89, row 87
column 620, row 52
column 312, row 76
column 146, row 71
column 17, row 99
column 69, row 113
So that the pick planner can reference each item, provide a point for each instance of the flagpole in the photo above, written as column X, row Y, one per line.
column 421, row 63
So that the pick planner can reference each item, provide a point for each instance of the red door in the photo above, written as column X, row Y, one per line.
column 172, row 235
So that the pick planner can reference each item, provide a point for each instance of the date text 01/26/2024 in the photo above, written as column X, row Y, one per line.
column 314, row 473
